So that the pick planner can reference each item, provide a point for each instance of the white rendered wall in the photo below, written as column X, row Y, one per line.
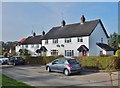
column 110, row 52
column 95, row 37
column 73, row 45
column 32, row 50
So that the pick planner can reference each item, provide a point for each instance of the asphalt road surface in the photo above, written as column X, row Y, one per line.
column 38, row 76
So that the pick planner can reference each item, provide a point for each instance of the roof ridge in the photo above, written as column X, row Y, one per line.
column 77, row 23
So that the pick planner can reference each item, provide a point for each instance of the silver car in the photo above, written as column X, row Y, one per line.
column 65, row 65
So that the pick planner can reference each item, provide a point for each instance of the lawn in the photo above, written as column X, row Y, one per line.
column 12, row 83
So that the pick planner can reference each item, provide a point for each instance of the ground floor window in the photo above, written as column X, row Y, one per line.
column 101, row 52
column 69, row 53
column 54, row 52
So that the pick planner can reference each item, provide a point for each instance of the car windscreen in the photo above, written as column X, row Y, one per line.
column 73, row 61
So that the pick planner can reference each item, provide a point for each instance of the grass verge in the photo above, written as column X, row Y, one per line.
column 8, row 82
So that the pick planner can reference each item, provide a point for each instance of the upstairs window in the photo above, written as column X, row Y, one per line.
column 79, row 39
column 67, row 40
column 46, row 41
column 32, row 46
column 26, row 46
column 37, row 46
column 55, row 40
column 22, row 46
column 101, row 40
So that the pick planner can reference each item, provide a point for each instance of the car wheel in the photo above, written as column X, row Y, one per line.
column 66, row 72
column 48, row 69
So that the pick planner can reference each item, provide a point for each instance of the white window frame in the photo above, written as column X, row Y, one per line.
column 55, row 41
column 54, row 52
column 80, row 39
column 46, row 41
column 37, row 46
column 67, row 40
column 22, row 46
column 32, row 46
column 26, row 46
column 69, row 53
column 101, row 40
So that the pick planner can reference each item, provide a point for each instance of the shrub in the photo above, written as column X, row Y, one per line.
column 100, row 62
column 42, row 60
column 105, row 55
column 5, row 54
column 117, row 53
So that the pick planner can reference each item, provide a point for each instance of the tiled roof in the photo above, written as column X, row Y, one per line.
column 74, row 30
column 33, row 40
column 22, row 40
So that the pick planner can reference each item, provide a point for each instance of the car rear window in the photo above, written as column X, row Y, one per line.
column 73, row 61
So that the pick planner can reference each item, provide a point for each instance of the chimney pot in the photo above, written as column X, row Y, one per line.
column 34, row 34
column 63, row 23
column 82, row 19
column 43, row 33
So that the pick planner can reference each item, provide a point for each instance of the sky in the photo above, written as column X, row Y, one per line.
column 19, row 19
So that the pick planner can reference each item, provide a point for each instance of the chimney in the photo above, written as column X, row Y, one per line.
column 34, row 34
column 43, row 33
column 63, row 23
column 82, row 19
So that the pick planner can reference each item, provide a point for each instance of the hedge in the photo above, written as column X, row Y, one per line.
column 40, row 59
column 98, row 62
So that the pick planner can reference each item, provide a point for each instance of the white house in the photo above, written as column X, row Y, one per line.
column 86, row 38
column 31, row 43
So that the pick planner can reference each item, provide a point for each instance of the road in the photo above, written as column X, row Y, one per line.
column 37, row 76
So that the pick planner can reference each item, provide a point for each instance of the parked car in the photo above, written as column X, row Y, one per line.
column 16, row 60
column 4, row 60
column 64, row 65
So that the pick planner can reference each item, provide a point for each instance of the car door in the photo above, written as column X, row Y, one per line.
column 54, row 66
column 61, row 65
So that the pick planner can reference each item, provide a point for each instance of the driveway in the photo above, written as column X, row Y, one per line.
column 37, row 76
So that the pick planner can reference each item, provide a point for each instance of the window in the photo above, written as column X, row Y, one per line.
column 46, row 41
column 101, row 52
column 67, row 40
column 55, row 40
column 69, row 53
column 58, row 45
column 26, row 46
column 62, row 45
column 80, row 39
column 54, row 52
column 22, row 46
column 101, row 40
column 73, row 61
column 32, row 46
column 37, row 46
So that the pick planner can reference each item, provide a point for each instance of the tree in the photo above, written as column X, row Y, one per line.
column 117, row 53
column 6, row 47
column 114, row 40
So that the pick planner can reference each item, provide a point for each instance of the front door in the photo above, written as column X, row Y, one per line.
column 54, row 66
column 84, row 53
